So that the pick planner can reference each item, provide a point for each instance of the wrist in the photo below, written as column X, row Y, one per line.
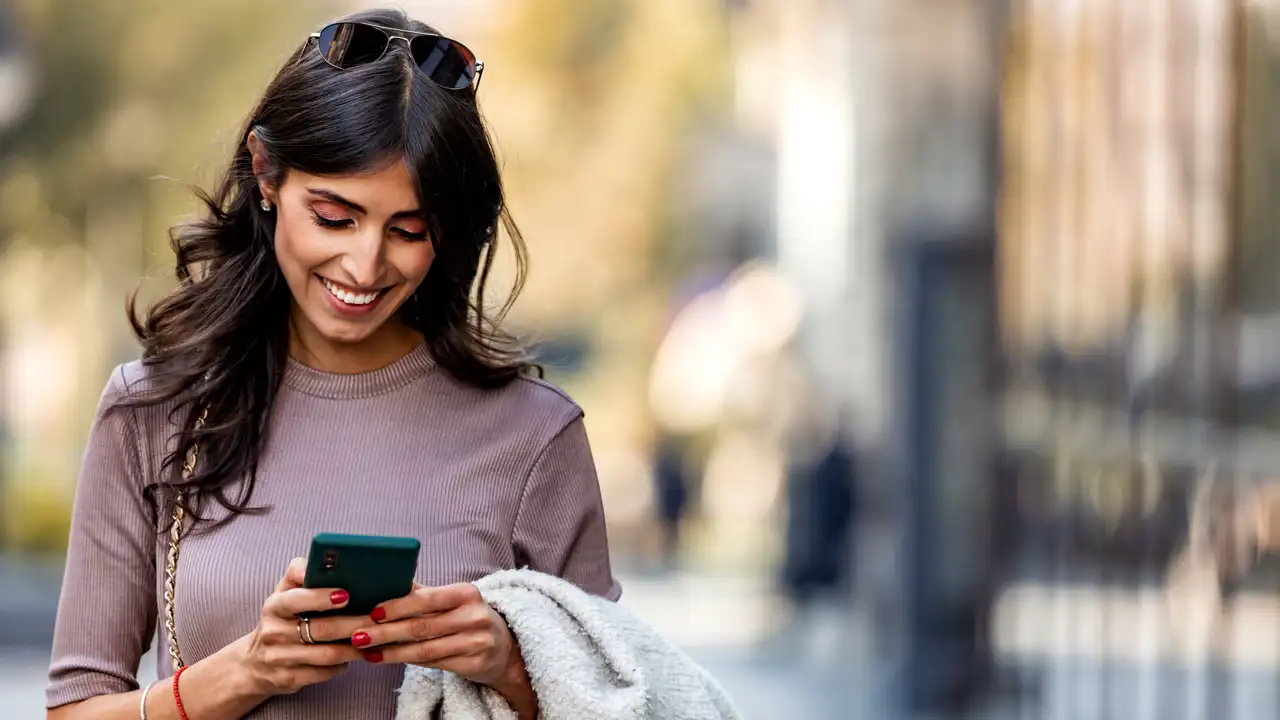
column 514, row 675
column 232, row 664
column 515, row 686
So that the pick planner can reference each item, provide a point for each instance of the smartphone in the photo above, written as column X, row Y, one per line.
column 371, row 568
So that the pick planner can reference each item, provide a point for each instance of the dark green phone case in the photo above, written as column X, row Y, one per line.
column 371, row 568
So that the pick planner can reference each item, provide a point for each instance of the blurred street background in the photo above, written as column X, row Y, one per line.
column 930, row 349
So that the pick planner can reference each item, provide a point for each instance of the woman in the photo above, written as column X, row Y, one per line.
column 323, row 356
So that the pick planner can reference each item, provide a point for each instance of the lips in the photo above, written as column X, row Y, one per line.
column 351, row 296
column 351, row 302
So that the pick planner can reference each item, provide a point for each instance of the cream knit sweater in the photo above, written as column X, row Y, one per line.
column 587, row 658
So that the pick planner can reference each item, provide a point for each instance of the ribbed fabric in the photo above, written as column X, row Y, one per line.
column 486, row 479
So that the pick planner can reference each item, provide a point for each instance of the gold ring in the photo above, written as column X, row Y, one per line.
column 304, row 631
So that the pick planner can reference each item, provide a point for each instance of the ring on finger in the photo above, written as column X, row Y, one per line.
column 304, row 631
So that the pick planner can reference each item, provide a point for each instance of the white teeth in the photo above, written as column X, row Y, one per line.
column 349, row 298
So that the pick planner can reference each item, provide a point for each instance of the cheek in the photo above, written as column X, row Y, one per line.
column 413, row 261
column 298, row 250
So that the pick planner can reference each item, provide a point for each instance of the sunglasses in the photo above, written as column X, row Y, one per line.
column 448, row 63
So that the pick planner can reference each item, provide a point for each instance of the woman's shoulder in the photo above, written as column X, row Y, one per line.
column 525, row 401
column 126, row 391
column 124, row 382
column 128, row 381
column 539, row 392
column 131, row 377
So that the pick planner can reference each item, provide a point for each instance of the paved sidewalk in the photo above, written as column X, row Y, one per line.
column 722, row 623
column 28, row 601
column 22, row 678
column 737, row 629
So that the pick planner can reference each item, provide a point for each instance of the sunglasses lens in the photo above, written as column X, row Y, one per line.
column 448, row 63
column 346, row 45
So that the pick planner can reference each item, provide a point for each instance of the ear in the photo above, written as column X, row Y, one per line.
column 261, row 166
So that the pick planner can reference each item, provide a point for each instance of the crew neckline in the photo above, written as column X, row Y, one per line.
column 348, row 386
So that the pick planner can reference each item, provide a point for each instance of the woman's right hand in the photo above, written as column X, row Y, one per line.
column 274, row 656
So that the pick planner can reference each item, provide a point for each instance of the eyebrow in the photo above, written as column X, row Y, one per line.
column 334, row 197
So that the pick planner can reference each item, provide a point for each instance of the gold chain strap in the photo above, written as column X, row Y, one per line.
column 175, row 537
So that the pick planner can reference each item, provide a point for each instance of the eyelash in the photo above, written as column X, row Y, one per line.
column 411, row 237
column 325, row 222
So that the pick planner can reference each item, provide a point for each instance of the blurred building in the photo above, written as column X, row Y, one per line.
column 880, row 120
column 1138, row 299
column 1087, row 402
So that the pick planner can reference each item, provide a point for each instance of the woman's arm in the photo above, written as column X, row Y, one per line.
column 514, row 685
column 267, row 662
column 559, row 530
column 216, row 687
column 560, row 526
column 107, row 612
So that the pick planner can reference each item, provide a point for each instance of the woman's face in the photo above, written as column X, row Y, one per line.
column 353, row 248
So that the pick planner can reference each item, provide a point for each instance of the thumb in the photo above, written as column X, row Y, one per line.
column 294, row 576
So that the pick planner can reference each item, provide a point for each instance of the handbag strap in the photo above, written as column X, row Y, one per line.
column 175, row 538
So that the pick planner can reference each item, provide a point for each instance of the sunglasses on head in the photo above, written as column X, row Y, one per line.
column 448, row 63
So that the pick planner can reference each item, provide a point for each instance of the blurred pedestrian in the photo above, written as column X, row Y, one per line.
column 821, row 507
column 671, row 494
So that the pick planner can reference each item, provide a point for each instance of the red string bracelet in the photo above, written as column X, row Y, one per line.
column 177, row 696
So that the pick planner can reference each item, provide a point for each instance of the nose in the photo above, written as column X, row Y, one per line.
column 365, row 261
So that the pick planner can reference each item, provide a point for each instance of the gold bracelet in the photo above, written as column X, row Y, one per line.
column 142, row 706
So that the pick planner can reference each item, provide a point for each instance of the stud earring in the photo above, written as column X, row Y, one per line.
column 266, row 205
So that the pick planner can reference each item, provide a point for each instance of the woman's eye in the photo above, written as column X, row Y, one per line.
column 329, row 222
column 414, row 236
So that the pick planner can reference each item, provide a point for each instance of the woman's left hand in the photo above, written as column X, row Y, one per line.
column 450, row 628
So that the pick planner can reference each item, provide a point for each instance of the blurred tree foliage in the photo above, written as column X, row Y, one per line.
column 123, row 93
column 592, row 102
column 130, row 89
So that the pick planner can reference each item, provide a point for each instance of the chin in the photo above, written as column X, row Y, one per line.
column 331, row 327
column 342, row 334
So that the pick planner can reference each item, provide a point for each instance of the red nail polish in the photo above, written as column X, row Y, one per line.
column 373, row 656
column 338, row 597
column 361, row 639
column 378, row 614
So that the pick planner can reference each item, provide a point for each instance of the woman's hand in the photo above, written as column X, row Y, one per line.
column 450, row 628
column 274, row 656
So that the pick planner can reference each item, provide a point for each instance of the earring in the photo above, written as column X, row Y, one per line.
column 265, row 204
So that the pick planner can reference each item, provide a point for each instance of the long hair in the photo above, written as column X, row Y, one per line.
column 220, row 340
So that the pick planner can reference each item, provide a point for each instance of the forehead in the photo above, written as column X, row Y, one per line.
column 388, row 189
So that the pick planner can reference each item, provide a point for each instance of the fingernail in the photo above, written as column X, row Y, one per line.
column 339, row 597
column 373, row 656
column 361, row 639
column 378, row 614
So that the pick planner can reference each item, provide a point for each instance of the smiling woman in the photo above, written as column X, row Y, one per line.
column 322, row 367
column 353, row 250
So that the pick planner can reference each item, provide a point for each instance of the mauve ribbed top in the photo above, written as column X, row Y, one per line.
column 485, row 479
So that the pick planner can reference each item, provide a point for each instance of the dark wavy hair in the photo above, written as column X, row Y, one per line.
column 219, row 342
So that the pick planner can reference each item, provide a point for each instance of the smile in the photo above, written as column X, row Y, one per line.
column 348, row 296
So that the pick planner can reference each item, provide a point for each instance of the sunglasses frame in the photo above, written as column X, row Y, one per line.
column 397, row 34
